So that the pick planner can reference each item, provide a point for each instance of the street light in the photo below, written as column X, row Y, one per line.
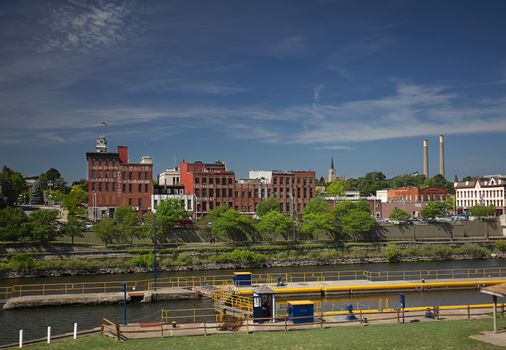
column 94, row 206
column 124, row 290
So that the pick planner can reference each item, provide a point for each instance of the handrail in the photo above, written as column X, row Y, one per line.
column 219, row 280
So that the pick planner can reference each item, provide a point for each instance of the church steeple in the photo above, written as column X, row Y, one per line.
column 332, row 171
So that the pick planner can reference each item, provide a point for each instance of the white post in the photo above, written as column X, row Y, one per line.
column 49, row 335
column 20, row 338
column 75, row 330
column 495, row 313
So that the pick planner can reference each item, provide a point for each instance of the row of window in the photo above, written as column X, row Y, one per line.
column 204, row 206
column 480, row 194
column 105, row 162
column 169, row 191
column 106, row 174
column 223, row 180
column 291, row 180
column 137, row 202
column 106, row 186
column 498, row 203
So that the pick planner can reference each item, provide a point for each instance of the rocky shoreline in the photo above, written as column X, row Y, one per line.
column 223, row 266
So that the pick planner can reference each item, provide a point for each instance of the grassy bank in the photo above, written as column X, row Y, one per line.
column 424, row 335
column 253, row 256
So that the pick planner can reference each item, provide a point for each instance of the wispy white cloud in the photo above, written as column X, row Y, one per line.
column 333, row 148
column 289, row 46
column 79, row 25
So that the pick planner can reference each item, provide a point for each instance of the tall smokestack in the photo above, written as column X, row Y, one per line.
column 442, row 155
column 426, row 158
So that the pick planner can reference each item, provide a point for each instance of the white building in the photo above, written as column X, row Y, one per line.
column 170, row 177
column 489, row 190
column 161, row 193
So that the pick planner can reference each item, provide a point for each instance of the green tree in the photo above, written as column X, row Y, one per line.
column 321, row 181
column 126, row 220
column 13, row 224
column 107, row 231
column 37, row 195
column 439, row 181
column 12, row 185
column 345, row 207
column 76, row 223
column 482, row 211
column 169, row 214
column 274, row 224
column 233, row 226
column 205, row 224
column 398, row 214
column 51, row 175
column 433, row 210
column 316, row 206
column 77, row 197
column 267, row 206
column 83, row 183
column 44, row 225
column 335, row 188
column 316, row 224
column 356, row 223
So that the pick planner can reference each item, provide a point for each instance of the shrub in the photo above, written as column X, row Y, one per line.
column 185, row 259
column 500, row 246
column 443, row 252
column 474, row 250
column 21, row 261
column 243, row 256
column 392, row 253
column 142, row 260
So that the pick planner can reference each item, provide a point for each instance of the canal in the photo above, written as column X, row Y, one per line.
column 34, row 321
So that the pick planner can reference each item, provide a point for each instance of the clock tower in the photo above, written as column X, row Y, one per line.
column 101, row 144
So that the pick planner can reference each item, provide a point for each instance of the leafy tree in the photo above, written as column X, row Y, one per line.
column 439, row 181
column 321, row 181
column 107, row 231
column 37, row 196
column 13, row 224
column 274, row 224
column 233, row 226
column 335, row 188
column 398, row 214
column 44, row 225
column 356, row 223
column 51, row 175
column 76, row 223
column 407, row 180
column 316, row 206
column 169, row 213
column 12, row 184
column 434, row 209
column 470, row 178
column 83, row 183
column 267, row 206
column 77, row 197
column 481, row 211
column 205, row 224
column 345, row 207
column 126, row 219
column 315, row 224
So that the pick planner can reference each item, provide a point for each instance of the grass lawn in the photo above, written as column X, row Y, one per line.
column 423, row 335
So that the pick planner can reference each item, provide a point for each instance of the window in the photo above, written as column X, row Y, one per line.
column 92, row 162
column 217, row 193
column 100, row 162
column 107, row 174
column 197, row 180
column 197, row 192
column 123, row 175
column 93, row 174
column 304, row 181
column 129, row 175
column 204, row 180
column 124, row 188
column 114, row 186
column 93, row 186
column 139, row 202
column 275, row 181
column 189, row 204
column 139, row 188
column 230, row 181
column 129, row 201
column 224, row 192
column 249, row 194
column 107, row 186
column 211, row 193
column 146, row 175
column 113, row 174
column 230, row 192
column 107, row 162
column 146, row 187
column 204, row 206
column 204, row 192
column 211, row 205
column 130, row 188
column 211, row 180
column 99, row 186
column 139, row 175
column 243, row 194
column 223, row 181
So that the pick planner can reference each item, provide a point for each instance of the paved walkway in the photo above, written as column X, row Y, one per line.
column 498, row 339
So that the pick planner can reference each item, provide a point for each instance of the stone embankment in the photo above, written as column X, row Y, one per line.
column 98, row 298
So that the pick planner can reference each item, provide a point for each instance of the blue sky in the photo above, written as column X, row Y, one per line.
column 259, row 84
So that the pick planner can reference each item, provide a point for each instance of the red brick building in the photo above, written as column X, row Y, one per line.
column 115, row 182
column 212, row 185
column 414, row 194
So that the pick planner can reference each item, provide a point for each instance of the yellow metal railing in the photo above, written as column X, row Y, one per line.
column 225, row 297
column 220, row 280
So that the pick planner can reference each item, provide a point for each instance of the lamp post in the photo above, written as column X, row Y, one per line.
column 124, row 289
column 94, row 206
column 154, row 250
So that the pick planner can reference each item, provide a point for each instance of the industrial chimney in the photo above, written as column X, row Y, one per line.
column 426, row 158
column 442, row 155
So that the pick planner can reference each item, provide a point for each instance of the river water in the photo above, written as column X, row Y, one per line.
column 34, row 321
